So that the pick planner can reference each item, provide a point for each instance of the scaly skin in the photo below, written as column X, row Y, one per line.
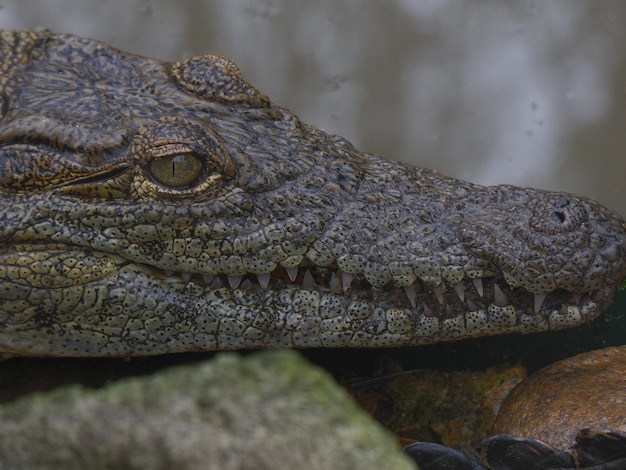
column 149, row 208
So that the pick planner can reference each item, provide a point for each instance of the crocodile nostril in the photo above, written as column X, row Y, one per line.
column 560, row 216
column 557, row 214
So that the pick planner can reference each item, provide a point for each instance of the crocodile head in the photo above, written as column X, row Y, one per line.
column 150, row 207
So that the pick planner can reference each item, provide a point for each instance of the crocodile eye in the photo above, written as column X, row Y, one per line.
column 177, row 160
column 177, row 171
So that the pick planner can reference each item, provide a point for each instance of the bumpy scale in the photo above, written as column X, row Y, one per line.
column 150, row 207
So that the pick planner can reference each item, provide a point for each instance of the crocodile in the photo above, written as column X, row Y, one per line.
column 149, row 207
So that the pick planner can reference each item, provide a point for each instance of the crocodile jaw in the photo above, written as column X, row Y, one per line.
column 83, row 303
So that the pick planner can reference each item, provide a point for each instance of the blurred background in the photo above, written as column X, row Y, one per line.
column 524, row 92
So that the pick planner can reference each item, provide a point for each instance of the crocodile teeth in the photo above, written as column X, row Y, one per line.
column 460, row 290
column 264, row 279
column 346, row 279
column 234, row 281
column 439, row 293
column 539, row 298
column 411, row 293
column 308, row 282
column 217, row 283
column 335, row 284
column 292, row 273
column 168, row 272
column 499, row 297
column 185, row 276
column 478, row 284
column 208, row 278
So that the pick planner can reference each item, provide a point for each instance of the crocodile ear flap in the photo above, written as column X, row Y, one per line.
column 216, row 77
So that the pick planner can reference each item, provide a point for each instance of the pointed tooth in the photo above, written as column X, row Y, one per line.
column 439, row 293
column 335, row 284
column 539, row 298
column 168, row 272
column 264, row 279
column 208, row 278
column 411, row 293
column 185, row 276
column 217, row 283
column 308, row 282
column 577, row 298
column 292, row 273
column 346, row 280
column 499, row 298
column 472, row 307
column 234, row 281
column 478, row 284
column 427, row 311
column 460, row 290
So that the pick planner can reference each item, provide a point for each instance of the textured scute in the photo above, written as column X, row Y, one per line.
column 180, row 188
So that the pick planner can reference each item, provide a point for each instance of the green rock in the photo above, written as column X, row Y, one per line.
column 269, row 410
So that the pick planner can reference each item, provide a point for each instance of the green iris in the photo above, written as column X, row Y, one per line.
column 176, row 171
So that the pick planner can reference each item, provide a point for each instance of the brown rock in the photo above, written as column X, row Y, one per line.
column 456, row 409
column 588, row 390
